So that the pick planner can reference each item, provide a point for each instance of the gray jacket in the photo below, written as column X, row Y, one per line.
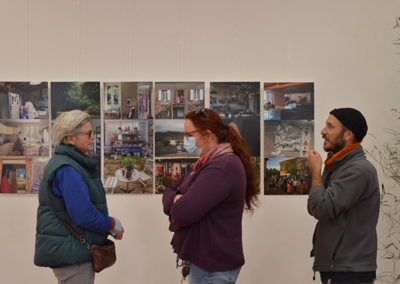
column 347, row 208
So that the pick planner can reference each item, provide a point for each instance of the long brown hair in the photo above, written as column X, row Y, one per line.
column 206, row 119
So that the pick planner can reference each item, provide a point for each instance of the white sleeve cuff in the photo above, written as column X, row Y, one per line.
column 117, row 227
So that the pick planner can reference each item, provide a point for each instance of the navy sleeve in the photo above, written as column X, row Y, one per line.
column 69, row 185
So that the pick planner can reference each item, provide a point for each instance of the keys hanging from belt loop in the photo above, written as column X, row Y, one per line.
column 185, row 267
column 185, row 270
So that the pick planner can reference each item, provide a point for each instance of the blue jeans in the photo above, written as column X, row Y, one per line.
column 200, row 276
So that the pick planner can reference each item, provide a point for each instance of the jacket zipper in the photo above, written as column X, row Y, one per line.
column 333, row 260
column 330, row 278
column 332, row 264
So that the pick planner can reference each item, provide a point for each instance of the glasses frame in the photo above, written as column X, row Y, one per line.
column 189, row 134
column 89, row 134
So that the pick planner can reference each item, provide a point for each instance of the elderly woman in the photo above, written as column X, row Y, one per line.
column 71, row 191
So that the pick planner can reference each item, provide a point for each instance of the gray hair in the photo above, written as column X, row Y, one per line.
column 68, row 123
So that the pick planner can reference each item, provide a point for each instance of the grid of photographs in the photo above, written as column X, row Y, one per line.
column 131, row 120
column 288, row 137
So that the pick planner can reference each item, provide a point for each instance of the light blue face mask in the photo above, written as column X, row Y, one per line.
column 190, row 145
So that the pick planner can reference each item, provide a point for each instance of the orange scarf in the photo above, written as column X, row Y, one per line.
column 338, row 155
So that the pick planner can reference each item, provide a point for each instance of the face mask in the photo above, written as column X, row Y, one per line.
column 190, row 145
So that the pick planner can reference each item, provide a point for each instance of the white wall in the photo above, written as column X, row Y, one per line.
column 344, row 46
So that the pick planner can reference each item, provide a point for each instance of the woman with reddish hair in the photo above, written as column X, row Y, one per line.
column 205, row 209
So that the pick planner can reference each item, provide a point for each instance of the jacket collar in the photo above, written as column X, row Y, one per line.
column 359, row 152
column 70, row 151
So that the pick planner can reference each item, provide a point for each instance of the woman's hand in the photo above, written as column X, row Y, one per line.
column 177, row 197
column 120, row 235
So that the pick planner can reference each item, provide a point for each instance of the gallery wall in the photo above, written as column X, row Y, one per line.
column 344, row 47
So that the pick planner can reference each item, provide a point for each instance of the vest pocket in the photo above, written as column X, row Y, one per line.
column 53, row 251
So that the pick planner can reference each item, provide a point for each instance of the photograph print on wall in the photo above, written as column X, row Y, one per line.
column 128, row 100
column 290, row 138
column 24, row 100
column 128, row 156
column 288, row 101
column 239, row 102
column 169, row 172
column 66, row 96
column 286, row 176
column 173, row 100
column 169, row 134
column 85, row 96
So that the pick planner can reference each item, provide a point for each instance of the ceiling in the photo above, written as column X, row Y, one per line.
column 21, row 87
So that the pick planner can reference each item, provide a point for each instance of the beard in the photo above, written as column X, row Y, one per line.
column 334, row 145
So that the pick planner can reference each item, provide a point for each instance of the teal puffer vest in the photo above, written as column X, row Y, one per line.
column 55, row 244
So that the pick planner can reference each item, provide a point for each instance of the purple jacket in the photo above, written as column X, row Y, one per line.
column 207, row 219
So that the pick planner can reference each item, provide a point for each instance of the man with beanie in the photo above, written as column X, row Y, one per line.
column 345, row 201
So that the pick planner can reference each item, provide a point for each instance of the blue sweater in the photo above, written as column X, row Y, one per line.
column 69, row 185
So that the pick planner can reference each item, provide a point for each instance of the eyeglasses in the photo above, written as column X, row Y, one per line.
column 190, row 133
column 202, row 111
column 89, row 134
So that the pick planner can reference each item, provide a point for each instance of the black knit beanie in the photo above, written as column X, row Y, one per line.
column 353, row 120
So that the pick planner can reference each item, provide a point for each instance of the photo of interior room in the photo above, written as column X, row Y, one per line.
column 175, row 99
column 37, row 171
column 24, row 100
column 235, row 99
column 21, row 174
column 239, row 102
column 127, row 138
column 128, row 100
column 24, row 137
column 15, row 174
column 128, row 151
column 288, row 101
